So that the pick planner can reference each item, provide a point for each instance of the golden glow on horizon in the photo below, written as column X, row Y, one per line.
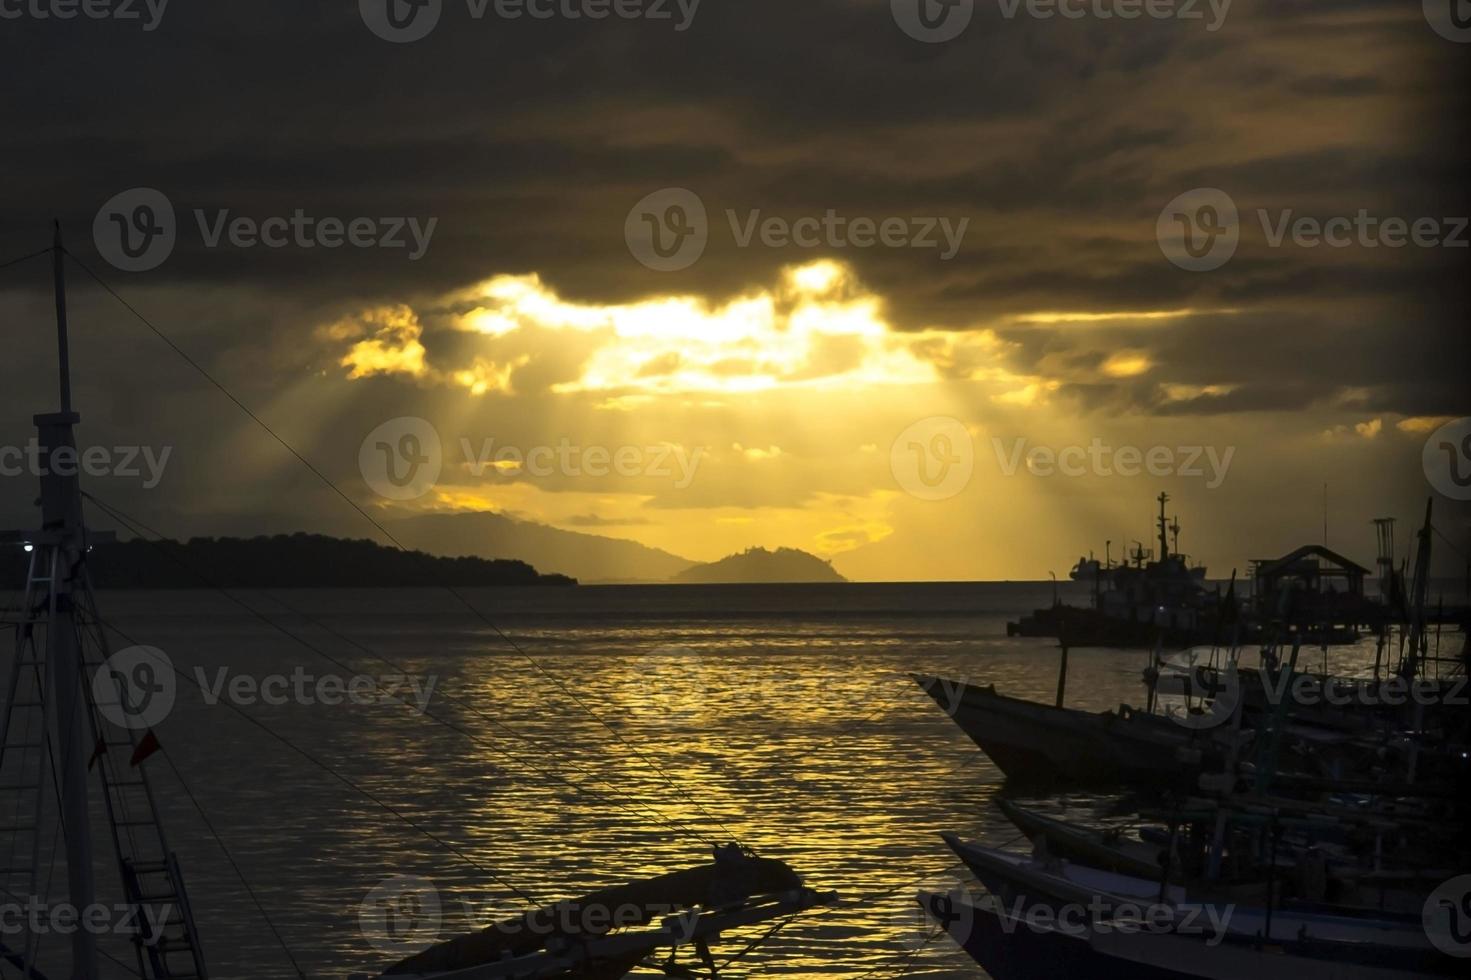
column 795, row 393
column 1054, row 318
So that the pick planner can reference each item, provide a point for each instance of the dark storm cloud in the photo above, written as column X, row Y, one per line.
column 530, row 141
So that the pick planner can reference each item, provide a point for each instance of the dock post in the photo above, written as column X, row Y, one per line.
column 1062, row 677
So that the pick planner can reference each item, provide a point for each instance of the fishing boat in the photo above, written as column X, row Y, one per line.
column 1024, row 942
column 1154, row 596
column 1039, row 744
column 1110, row 849
column 1387, row 880
column 610, row 932
column 1314, row 820
column 1320, row 940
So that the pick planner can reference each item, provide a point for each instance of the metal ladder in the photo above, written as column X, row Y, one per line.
column 166, row 940
column 160, row 920
column 24, row 729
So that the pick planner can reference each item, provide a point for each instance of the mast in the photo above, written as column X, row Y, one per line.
column 58, row 686
column 61, row 523
column 1164, row 527
column 1413, row 661
column 63, row 348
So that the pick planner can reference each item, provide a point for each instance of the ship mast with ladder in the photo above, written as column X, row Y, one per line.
column 71, row 721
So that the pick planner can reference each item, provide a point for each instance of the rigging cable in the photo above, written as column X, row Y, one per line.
column 474, row 610
column 209, row 825
column 140, row 529
column 346, row 781
column 24, row 258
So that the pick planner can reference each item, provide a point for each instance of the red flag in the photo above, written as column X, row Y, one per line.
column 148, row 745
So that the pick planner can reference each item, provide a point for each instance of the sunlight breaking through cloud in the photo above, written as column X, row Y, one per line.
column 817, row 327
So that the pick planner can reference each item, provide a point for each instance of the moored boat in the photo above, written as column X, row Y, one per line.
column 1035, row 743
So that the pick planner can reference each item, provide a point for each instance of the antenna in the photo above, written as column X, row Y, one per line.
column 1164, row 541
column 63, row 348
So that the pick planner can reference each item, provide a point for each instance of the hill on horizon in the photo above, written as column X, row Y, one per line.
column 286, row 561
column 759, row 566
column 589, row 558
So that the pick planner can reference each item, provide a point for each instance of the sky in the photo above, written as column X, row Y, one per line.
column 941, row 297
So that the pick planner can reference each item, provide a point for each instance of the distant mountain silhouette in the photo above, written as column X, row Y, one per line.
column 589, row 558
column 757, row 565
column 284, row 562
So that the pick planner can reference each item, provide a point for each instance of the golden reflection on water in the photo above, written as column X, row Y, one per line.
column 802, row 737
